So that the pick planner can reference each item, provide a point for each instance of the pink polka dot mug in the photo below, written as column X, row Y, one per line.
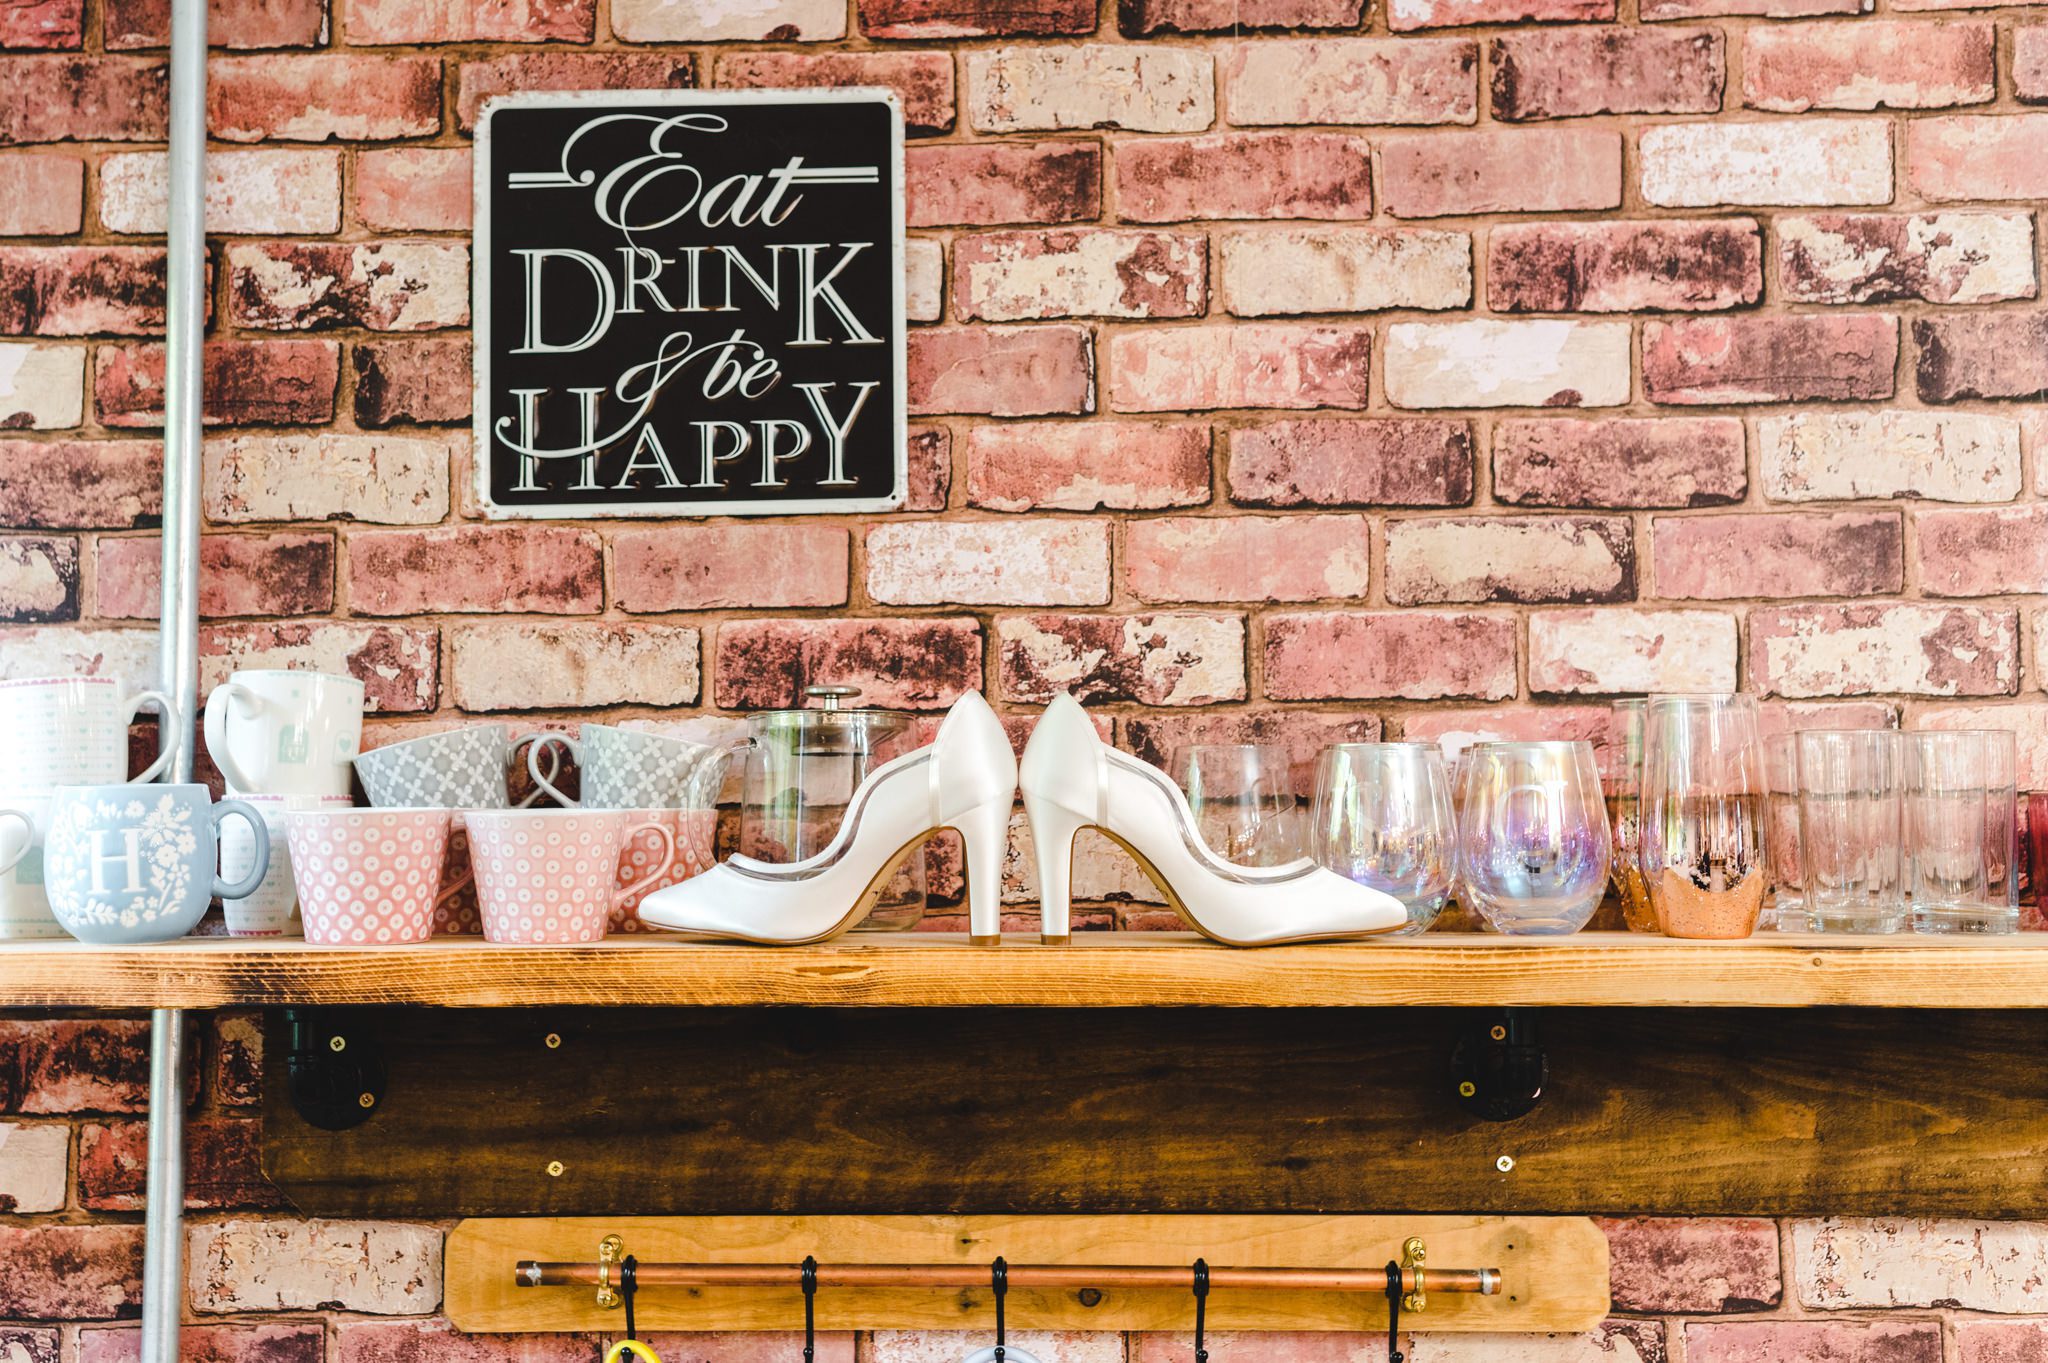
column 367, row 877
column 551, row 875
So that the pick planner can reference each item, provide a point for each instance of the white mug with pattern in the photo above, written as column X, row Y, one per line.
column 284, row 732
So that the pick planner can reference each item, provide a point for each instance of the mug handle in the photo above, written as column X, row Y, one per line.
column 26, row 847
column 217, row 705
column 259, row 831
column 540, row 741
column 668, row 858
column 168, row 718
column 540, row 738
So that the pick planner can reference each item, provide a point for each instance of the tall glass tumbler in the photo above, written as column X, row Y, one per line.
column 1625, row 810
column 1852, row 829
column 1961, row 817
column 1533, row 843
column 1703, row 815
column 1382, row 817
column 1242, row 797
column 1783, row 908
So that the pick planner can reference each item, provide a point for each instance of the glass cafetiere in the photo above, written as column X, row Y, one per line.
column 803, row 767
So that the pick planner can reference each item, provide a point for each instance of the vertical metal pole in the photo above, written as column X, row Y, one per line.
column 185, row 334
column 163, row 1245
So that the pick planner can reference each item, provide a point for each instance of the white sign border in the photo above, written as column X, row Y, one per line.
column 480, row 304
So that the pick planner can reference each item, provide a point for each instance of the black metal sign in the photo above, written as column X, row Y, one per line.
column 689, row 303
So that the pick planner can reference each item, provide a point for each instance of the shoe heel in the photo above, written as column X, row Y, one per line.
column 1053, row 827
column 985, row 830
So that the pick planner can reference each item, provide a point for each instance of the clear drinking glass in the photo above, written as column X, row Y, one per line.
column 1961, row 813
column 1851, row 829
column 1382, row 817
column 1703, row 815
column 1533, row 844
column 1625, row 810
column 1783, row 909
column 1242, row 797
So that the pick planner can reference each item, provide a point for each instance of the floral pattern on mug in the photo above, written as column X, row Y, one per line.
column 551, row 875
column 368, row 877
column 166, row 840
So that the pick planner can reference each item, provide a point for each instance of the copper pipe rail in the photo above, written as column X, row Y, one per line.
column 1415, row 1279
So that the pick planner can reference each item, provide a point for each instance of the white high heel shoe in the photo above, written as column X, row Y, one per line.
column 965, row 780
column 1073, row 780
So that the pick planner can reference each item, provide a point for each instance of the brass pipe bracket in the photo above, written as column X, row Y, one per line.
column 611, row 1251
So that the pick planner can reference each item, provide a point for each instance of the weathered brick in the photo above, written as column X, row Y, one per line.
column 42, row 387
column 1009, row 563
column 56, row 650
column 70, row 1272
column 1902, row 647
column 229, row 23
column 422, row 1341
column 383, row 479
column 1569, row 72
column 782, row 21
column 1001, row 371
column 1375, row 461
column 245, row 383
column 1833, row 161
column 1165, row 659
column 2029, row 724
column 1624, row 266
column 285, row 573
column 1839, row 357
column 911, row 664
column 1042, row 89
column 1869, row 64
column 1511, row 170
column 1824, row 1341
column 238, row 1059
column 1844, row 1262
column 315, row 99
column 1404, row 15
column 246, row 191
column 1721, row 558
column 717, row 567
column 931, row 469
column 1118, row 465
column 80, row 484
column 1630, row 652
column 1993, row 355
column 402, row 381
column 1247, row 558
column 83, row 99
column 280, row 1342
column 2030, row 63
column 1452, row 560
column 1942, row 456
column 1352, row 80
column 316, row 286
column 376, row 1267
column 1997, row 551
column 1655, row 10
column 924, row 280
column 572, row 666
column 521, row 71
column 399, row 667
column 1244, row 175
column 1011, row 182
column 413, row 189
column 223, row 1166
column 38, row 579
column 1507, row 364
column 1611, row 1341
column 543, row 569
column 471, row 21
column 1693, row 1264
column 1978, row 156
column 50, row 1067
column 1282, row 271
column 1455, row 729
column 943, row 1346
column 1146, row 18
column 2001, row 1341
column 48, row 24
column 1153, row 738
column 1089, row 272
column 41, row 194
column 1274, row 365
column 923, row 81
column 1623, row 462
column 81, row 290
column 34, row 1171
column 1884, row 258
column 1389, row 655
column 975, row 18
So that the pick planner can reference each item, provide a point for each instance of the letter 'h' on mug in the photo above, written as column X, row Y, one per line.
column 285, row 733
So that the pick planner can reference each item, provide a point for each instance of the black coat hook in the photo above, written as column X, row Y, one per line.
column 1394, row 1289
column 810, row 1281
column 999, row 1278
column 1201, row 1309
column 629, row 1283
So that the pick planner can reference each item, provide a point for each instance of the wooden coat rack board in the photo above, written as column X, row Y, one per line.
column 1553, row 1271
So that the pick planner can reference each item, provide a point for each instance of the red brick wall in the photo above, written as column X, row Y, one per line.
column 1248, row 338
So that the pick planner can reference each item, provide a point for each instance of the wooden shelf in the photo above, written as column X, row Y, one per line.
column 1110, row 970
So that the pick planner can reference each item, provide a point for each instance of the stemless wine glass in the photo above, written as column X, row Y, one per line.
column 1784, row 910
column 1851, row 829
column 1382, row 817
column 1242, row 797
column 1533, row 844
column 1625, row 810
column 1703, row 815
column 1961, row 818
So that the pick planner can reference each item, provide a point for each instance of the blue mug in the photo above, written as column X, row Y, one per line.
column 138, row 863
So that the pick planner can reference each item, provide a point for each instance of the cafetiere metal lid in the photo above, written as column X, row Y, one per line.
column 831, row 729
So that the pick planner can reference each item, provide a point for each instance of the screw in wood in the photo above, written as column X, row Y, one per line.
column 1505, row 1163
column 554, row 1168
column 1466, row 1088
column 1499, row 1033
column 366, row 1100
column 337, row 1043
column 554, row 1041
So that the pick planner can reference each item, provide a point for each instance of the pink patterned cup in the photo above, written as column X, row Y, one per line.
column 550, row 875
column 694, row 830
column 367, row 877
